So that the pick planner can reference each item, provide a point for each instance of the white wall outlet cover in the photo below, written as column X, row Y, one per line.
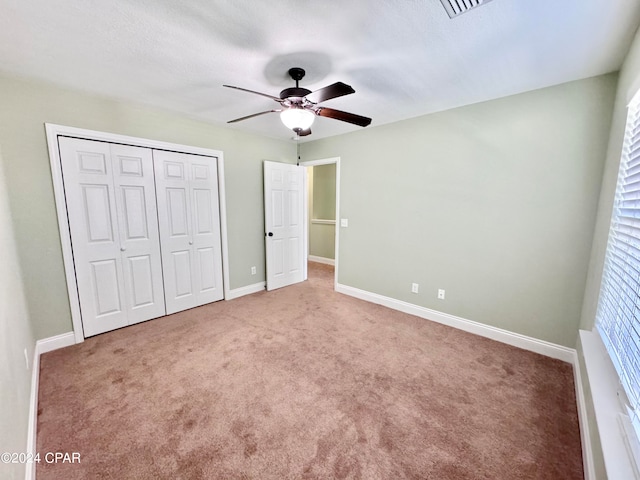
column 414, row 288
column 253, row 270
column 441, row 294
column 344, row 222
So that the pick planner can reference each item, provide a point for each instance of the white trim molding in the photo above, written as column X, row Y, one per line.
column 222, row 199
column 542, row 347
column 32, row 426
column 42, row 346
column 247, row 290
column 54, row 343
column 325, row 260
column 583, row 419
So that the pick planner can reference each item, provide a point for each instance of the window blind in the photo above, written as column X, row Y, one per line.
column 618, row 313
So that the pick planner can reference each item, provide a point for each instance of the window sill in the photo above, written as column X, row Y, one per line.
column 603, row 380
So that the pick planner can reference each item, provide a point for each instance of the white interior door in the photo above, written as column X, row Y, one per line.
column 284, row 223
column 189, row 215
column 138, row 227
column 111, row 208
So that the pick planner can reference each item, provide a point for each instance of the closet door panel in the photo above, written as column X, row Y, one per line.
column 177, row 202
column 182, row 272
column 206, row 219
column 139, row 236
column 142, row 281
column 176, row 230
column 207, row 275
column 188, row 211
column 105, row 283
column 93, row 223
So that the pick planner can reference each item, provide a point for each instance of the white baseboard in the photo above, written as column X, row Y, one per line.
column 515, row 339
column 326, row 261
column 30, row 470
column 42, row 346
column 54, row 343
column 585, row 436
column 248, row 290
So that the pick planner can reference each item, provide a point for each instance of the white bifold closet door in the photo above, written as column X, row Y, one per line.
column 111, row 205
column 189, row 218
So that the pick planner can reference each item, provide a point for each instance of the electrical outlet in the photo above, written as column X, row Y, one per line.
column 26, row 358
column 253, row 270
column 440, row 294
column 414, row 288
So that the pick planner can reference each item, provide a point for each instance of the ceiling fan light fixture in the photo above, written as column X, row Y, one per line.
column 297, row 118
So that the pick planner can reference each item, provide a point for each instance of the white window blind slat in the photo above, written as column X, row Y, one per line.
column 634, row 169
column 618, row 314
column 629, row 222
column 631, row 183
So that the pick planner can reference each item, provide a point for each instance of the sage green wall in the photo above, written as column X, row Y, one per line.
column 26, row 106
column 15, row 335
column 493, row 202
column 628, row 85
column 322, row 240
column 322, row 189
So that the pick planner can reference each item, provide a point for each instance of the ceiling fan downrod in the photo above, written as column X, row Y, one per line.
column 297, row 74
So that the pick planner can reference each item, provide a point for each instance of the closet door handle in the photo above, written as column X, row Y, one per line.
column 122, row 249
column 190, row 242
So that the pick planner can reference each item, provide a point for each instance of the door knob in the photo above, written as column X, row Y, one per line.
column 271, row 234
column 190, row 242
column 122, row 249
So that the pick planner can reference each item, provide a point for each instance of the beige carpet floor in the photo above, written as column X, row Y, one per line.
column 305, row 383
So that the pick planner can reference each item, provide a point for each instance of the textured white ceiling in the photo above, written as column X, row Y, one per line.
column 404, row 58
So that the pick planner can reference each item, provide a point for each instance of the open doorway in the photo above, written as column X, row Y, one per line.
column 323, row 197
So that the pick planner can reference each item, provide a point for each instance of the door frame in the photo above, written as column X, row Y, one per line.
column 53, row 131
column 315, row 163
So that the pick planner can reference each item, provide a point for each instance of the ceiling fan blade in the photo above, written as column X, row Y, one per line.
column 279, row 100
column 344, row 116
column 336, row 90
column 251, row 116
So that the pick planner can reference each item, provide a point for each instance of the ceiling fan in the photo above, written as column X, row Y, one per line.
column 300, row 106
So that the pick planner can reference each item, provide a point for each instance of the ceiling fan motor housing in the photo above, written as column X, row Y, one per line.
column 297, row 74
column 296, row 92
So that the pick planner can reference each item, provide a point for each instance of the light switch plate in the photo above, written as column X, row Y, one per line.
column 344, row 222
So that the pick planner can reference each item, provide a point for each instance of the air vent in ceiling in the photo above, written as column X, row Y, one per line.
column 458, row 7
